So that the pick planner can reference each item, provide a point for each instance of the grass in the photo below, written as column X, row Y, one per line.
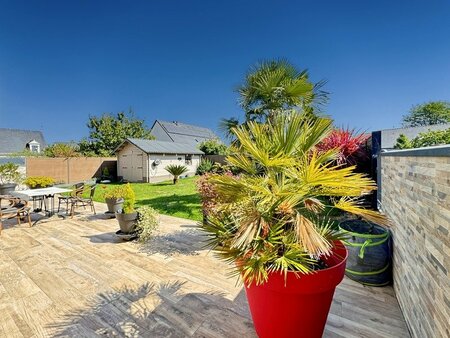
column 180, row 200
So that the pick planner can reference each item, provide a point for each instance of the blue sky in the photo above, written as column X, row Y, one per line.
column 181, row 60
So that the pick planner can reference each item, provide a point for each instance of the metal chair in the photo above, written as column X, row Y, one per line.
column 15, row 207
column 81, row 201
column 77, row 192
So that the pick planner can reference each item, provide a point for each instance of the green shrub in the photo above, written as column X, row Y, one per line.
column 130, row 199
column 114, row 193
column 205, row 166
column 9, row 173
column 431, row 138
column 403, row 142
column 146, row 223
column 426, row 139
column 213, row 147
column 39, row 181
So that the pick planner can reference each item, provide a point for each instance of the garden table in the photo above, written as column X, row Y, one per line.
column 46, row 194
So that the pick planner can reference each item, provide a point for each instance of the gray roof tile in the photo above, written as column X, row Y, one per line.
column 15, row 140
column 183, row 132
column 162, row 147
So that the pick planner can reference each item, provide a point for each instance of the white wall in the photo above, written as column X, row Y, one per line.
column 158, row 173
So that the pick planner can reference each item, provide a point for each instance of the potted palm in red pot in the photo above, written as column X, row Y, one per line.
column 271, row 221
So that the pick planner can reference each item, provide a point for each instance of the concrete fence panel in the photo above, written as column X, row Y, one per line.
column 70, row 169
column 415, row 195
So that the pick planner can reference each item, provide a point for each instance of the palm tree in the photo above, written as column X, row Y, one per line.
column 272, row 87
column 274, row 216
column 176, row 170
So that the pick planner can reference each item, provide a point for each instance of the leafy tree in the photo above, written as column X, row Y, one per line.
column 108, row 131
column 403, row 142
column 433, row 112
column 62, row 150
column 273, row 86
column 213, row 147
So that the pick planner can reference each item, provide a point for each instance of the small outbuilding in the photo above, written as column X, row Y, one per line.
column 140, row 160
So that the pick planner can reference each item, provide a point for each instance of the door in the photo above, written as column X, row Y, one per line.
column 137, row 164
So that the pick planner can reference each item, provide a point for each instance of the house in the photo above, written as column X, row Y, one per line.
column 140, row 160
column 16, row 140
column 13, row 141
column 180, row 132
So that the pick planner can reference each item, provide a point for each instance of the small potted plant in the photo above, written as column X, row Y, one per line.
column 37, row 182
column 114, row 199
column 9, row 177
column 272, row 221
column 128, row 215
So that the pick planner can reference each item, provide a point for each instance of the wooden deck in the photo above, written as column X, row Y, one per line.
column 73, row 278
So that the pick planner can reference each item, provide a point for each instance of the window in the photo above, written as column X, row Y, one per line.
column 188, row 159
column 34, row 146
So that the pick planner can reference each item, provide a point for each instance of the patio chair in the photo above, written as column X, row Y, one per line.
column 76, row 192
column 81, row 201
column 14, row 207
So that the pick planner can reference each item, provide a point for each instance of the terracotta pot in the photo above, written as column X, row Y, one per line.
column 297, row 307
column 127, row 222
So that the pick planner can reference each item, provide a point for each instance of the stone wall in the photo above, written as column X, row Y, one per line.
column 415, row 195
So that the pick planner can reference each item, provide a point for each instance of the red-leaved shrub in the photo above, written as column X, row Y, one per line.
column 207, row 193
column 352, row 146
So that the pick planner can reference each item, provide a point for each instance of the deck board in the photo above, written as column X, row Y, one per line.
column 73, row 278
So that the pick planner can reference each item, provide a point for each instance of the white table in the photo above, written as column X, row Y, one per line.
column 46, row 193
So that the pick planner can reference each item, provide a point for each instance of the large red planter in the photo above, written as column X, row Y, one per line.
column 298, row 308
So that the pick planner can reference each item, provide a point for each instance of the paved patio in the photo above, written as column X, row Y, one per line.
column 73, row 278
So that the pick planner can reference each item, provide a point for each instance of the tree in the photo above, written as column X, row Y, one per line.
column 213, row 147
column 62, row 150
column 275, row 216
column 176, row 171
column 403, row 142
column 433, row 112
column 273, row 86
column 108, row 131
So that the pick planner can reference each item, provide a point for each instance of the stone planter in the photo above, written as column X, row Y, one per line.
column 127, row 222
column 7, row 188
column 114, row 204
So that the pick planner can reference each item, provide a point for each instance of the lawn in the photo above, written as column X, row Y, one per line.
column 180, row 200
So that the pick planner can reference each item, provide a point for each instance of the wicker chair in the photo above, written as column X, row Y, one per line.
column 81, row 201
column 14, row 207
column 77, row 192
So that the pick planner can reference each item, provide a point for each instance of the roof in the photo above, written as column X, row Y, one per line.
column 161, row 147
column 15, row 140
column 183, row 132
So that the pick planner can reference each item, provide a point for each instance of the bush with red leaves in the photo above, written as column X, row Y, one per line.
column 207, row 193
column 352, row 147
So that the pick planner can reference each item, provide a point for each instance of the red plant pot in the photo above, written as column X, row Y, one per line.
column 299, row 307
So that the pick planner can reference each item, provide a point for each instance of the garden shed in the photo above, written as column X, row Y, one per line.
column 140, row 160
